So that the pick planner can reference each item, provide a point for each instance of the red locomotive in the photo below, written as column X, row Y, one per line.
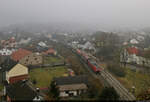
column 94, row 66
column 91, row 63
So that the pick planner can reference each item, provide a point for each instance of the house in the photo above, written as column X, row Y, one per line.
column 129, row 55
column 32, row 59
column 19, row 54
column 34, row 48
column 10, row 43
column 144, row 61
column 13, row 72
column 71, row 85
column 22, row 91
column 132, row 55
column 6, row 52
column 140, row 38
column 50, row 51
column 48, row 36
column 25, row 41
column 125, row 43
column 42, row 44
column 134, row 41
column 41, row 49
column 74, row 44
column 87, row 46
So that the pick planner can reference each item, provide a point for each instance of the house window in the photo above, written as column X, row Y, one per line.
column 67, row 92
column 27, row 60
column 71, row 94
column 35, row 58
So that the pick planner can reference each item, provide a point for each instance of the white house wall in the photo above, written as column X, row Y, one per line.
column 16, row 71
column 6, row 51
column 64, row 94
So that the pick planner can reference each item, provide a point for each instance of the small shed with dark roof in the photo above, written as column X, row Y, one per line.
column 71, row 80
column 20, row 91
column 72, row 85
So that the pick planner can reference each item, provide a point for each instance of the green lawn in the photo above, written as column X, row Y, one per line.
column 44, row 76
column 139, row 80
column 48, row 60
column 1, row 87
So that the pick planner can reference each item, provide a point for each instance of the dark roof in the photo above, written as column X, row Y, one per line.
column 71, row 80
column 41, row 49
column 8, row 64
column 3, row 58
column 81, row 86
column 20, row 91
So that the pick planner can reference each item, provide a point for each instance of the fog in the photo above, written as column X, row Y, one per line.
column 104, row 13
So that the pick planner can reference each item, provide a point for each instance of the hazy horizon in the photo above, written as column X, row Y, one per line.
column 103, row 13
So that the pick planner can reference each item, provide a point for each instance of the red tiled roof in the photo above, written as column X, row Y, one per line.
column 50, row 51
column 19, row 54
column 133, row 50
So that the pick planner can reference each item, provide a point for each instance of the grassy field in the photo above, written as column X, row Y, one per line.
column 1, row 87
column 48, row 60
column 44, row 76
column 139, row 80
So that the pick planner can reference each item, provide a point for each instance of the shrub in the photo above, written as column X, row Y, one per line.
column 109, row 94
column 116, row 69
column 34, row 81
column 54, row 91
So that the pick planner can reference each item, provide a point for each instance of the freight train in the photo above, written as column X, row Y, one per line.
column 90, row 62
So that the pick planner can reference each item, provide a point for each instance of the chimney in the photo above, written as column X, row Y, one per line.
column 37, row 90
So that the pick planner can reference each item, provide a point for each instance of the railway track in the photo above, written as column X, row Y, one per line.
column 108, row 80
column 123, row 92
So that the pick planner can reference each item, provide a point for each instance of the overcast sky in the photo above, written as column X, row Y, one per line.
column 101, row 12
